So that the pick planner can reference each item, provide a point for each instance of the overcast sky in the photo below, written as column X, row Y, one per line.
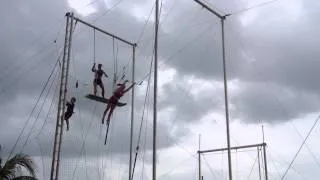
column 272, row 64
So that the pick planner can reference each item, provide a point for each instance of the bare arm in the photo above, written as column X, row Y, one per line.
column 93, row 69
column 129, row 88
column 105, row 74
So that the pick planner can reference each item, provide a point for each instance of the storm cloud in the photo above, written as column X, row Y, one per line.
column 272, row 69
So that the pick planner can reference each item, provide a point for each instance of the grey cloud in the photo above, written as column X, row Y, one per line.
column 15, row 100
column 188, row 107
column 258, row 102
column 280, row 55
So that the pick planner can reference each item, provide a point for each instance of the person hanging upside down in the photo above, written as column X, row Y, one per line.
column 119, row 92
column 98, row 78
column 69, row 112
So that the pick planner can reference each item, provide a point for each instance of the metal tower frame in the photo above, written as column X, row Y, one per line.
column 62, row 98
column 71, row 20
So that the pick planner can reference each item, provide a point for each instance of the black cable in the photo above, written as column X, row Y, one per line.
column 42, row 105
column 181, row 49
column 47, row 116
column 35, row 41
column 304, row 141
column 30, row 115
column 285, row 111
column 145, row 145
column 145, row 24
column 84, row 143
column 24, row 73
column 140, row 129
column 8, row 71
column 252, row 167
column 210, row 169
column 108, row 10
column 252, row 7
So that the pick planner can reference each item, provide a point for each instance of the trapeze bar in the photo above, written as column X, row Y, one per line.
column 102, row 31
column 237, row 147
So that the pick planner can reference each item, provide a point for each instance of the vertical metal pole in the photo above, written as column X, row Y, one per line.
column 202, row 178
column 199, row 163
column 262, row 134
column 94, row 46
column 226, row 98
column 0, row 156
column 53, row 167
column 258, row 148
column 265, row 161
column 65, row 93
column 154, row 157
column 199, row 159
column 132, row 109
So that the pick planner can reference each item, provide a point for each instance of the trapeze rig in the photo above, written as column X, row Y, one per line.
column 71, row 22
column 222, row 18
column 263, row 155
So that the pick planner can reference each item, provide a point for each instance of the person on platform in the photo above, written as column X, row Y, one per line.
column 98, row 78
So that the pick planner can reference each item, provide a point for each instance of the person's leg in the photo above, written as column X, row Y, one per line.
column 104, row 113
column 67, row 122
column 66, row 118
column 113, row 106
column 102, row 88
column 95, row 87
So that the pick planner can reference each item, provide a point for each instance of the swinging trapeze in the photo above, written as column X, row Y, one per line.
column 103, row 100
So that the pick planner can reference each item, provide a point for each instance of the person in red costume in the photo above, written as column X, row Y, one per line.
column 113, row 100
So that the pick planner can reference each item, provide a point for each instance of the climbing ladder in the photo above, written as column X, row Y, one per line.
column 62, row 97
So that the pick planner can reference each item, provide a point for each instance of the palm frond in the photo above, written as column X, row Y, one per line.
column 23, row 160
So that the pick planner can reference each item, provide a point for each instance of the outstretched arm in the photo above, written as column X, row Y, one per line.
column 129, row 87
column 105, row 74
column 93, row 69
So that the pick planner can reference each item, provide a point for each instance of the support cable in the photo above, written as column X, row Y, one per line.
column 180, row 50
column 142, row 118
column 210, row 169
column 42, row 105
column 23, row 64
column 252, row 168
column 282, row 107
column 103, row 14
column 42, row 127
column 79, row 109
column 304, row 141
column 145, row 24
column 82, row 151
column 145, row 145
column 253, row 7
column 94, row 46
column 35, row 41
column 30, row 115
column 19, row 77
column 83, row 144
